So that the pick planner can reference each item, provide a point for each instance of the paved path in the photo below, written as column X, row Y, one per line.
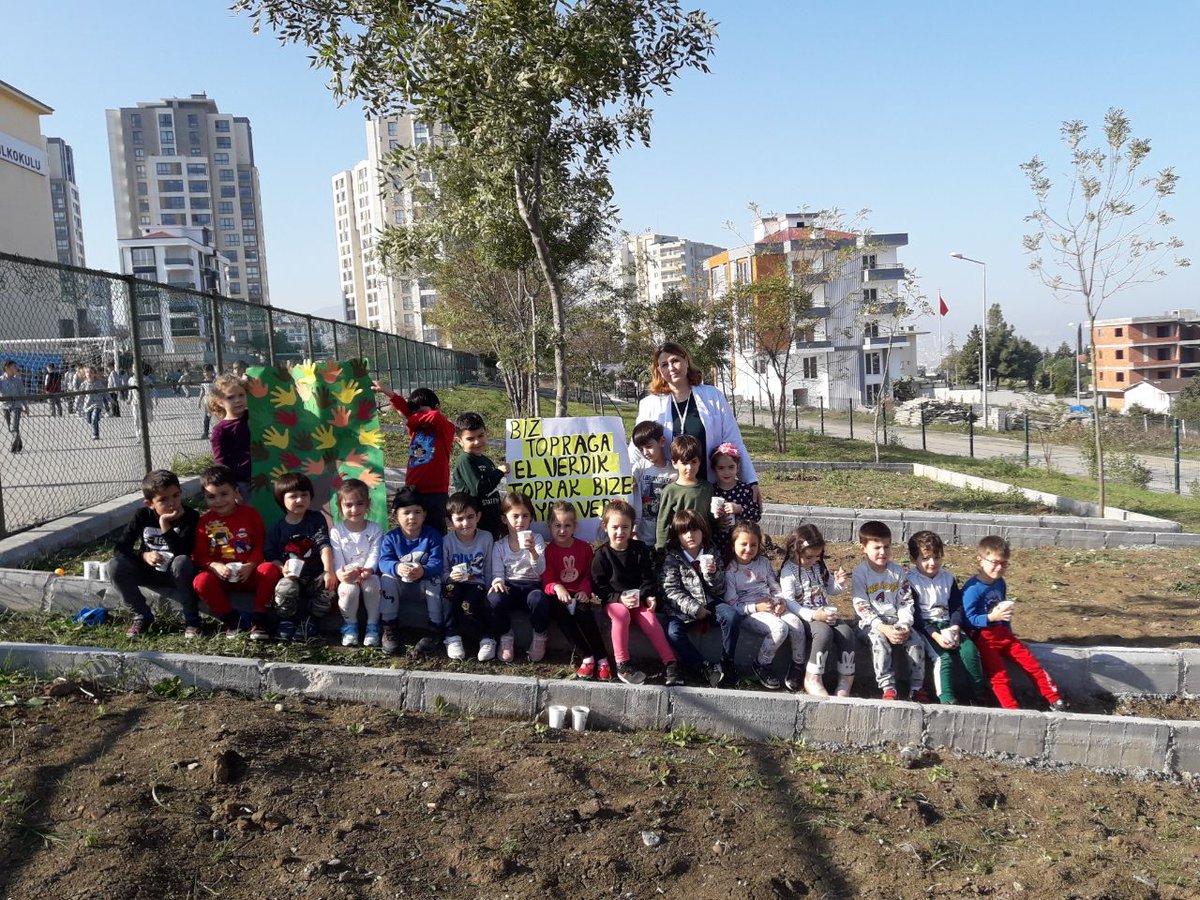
column 987, row 446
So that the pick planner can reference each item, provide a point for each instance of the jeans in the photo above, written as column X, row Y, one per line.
column 129, row 575
column 93, row 419
column 12, row 418
column 440, row 616
column 729, row 617
column 685, row 651
column 471, row 611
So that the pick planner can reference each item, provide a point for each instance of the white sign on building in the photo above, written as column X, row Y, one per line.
column 24, row 155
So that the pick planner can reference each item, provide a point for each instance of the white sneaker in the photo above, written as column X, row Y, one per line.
column 506, row 647
column 537, row 647
column 487, row 650
column 454, row 649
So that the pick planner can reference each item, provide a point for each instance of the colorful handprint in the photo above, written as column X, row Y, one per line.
column 283, row 396
column 345, row 392
column 369, row 437
column 323, row 437
column 255, row 387
column 273, row 437
column 341, row 417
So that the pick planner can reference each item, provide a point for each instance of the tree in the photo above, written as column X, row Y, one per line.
column 702, row 328
column 539, row 94
column 1109, row 234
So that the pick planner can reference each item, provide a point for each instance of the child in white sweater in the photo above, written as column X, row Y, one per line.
column 518, row 561
column 751, row 587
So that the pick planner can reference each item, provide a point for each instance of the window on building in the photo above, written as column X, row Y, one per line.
column 868, row 261
column 201, row 203
column 809, row 364
column 139, row 153
column 196, row 151
column 163, row 168
column 142, row 189
column 391, row 128
column 250, row 224
column 1120, row 376
column 202, row 219
column 228, row 190
column 224, row 143
column 871, row 330
column 1118, row 332
column 1162, row 353
column 1162, row 331
column 221, row 159
column 135, row 119
column 235, row 287
column 168, row 151
column 198, row 187
column 251, row 271
column 144, row 220
column 170, row 186
column 234, row 272
column 226, row 224
column 246, row 193
column 250, row 240
column 251, row 254
column 172, row 219
column 233, row 240
column 742, row 271
column 143, row 206
column 221, row 125
column 244, row 176
column 166, row 136
column 1163, row 373
column 165, row 120
column 142, row 257
column 197, row 169
column 1120, row 354
column 873, row 393
column 873, row 363
column 870, row 295
column 139, row 171
column 60, row 216
column 172, row 202
column 137, row 137
column 806, row 335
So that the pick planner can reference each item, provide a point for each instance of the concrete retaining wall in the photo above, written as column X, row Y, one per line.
column 1113, row 743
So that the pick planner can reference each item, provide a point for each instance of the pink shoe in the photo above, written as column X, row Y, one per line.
column 506, row 647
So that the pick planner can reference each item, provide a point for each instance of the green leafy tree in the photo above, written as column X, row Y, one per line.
column 1107, row 233
column 539, row 94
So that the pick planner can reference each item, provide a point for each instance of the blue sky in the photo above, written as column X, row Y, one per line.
column 920, row 112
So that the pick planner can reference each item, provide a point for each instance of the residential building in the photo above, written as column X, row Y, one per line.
column 182, row 163
column 853, row 343
column 1155, row 396
column 26, row 227
column 653, row 264
column 64, row 203
column 1130, row 350
column 372, row 297
column 181, row 257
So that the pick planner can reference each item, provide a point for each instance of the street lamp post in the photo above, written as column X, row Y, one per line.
column 1078, row 358
column 983, row 360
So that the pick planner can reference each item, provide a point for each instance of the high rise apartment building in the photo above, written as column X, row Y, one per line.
column 394, row 302
column 653, row 264
column 852, row 344
column 64, row 203
column 182, row 163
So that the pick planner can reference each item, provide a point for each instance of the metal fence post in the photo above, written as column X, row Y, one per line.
column 796, row 418
column 135, row 335
column 218, row 339
column 1177, row 478
column 752, row 411
column 821, row 400
column 1026, row 417
column 883, row 416
column 971, row 433
column 850, row 403
column 271, row 337
column 923, row 447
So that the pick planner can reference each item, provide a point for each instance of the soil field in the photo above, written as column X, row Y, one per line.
column 134, row 796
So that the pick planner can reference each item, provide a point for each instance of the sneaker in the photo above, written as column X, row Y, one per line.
column 629, row 674
column 139, row 626
column 794, row 680
column 713, row 674
column 814, row 685
column 233, row 626
column 604, row 671
column 487, row 650
column 586, row 669
column 765, row 676
column 390, row 641
column 889, row 694
column 371, row 639
column 427, row 644
column 193, row 633
column 454, row 648
column 1059, row 705
column 671, row 675
column 349, row 635
column 920, row 695
column 258, row 633
column 506, row 647
column 537, row 647
column 285, row 632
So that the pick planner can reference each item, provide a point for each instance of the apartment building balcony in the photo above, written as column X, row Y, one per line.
column 883, row 341
column 821, row 311
column 895, row 272
column 813, row 346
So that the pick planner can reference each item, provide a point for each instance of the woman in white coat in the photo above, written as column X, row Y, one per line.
column 683, row 405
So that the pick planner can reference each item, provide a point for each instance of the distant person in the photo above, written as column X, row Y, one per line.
column 12, row 394
column 93, row 401
column 115, row 383
column 52, row 385
column 154, row 551
column 238, row 369
column 206, row 389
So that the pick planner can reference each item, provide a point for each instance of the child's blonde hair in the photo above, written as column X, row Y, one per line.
column 617, row 508
column 567, row 509
column 750, row 528
column 220, row 387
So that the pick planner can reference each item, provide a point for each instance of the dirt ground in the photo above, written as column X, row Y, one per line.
column 136, row 796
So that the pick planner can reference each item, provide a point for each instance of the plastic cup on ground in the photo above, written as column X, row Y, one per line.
column 579, row 717
column 293, row 567
column 164, row 560
column 93, row 570
column 556, row 716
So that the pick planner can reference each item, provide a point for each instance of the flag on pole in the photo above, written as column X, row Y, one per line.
column 942, row 307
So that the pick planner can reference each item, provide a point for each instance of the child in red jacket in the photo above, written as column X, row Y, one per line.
column 228, row 555
column 431, row 436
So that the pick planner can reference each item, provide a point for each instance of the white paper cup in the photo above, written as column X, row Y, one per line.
column 556, row 716
column 94, row 570
column 833, row 611
column 1004, row 606
column 579, row 717
column 461, row 569
column 235, row 569
column 164, row 560
column 293, row 567
column 634, row 594
column 707, row 561
column 716, row 507
column 523, row 537
column 407, row 579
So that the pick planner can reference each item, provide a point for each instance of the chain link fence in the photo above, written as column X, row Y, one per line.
column 109, row 372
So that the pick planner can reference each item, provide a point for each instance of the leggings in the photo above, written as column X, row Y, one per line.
column 647, row 621
column 579, row 628
column 528, row 594
column 215, row 592
column 468, row 602
column 348, row 594
column 824, row 636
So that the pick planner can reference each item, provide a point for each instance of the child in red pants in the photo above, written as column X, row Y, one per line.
column 989, row 614
column 229, row 555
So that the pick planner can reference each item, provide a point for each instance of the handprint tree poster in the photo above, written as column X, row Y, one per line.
column 319, row 419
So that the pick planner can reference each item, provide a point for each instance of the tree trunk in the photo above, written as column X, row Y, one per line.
column 1099, row 434
column 531, row 215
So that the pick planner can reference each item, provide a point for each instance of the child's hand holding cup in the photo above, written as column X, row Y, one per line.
column 708, row 563
column 717, row 508
column 525, row 540
column 233, row 571
column 460, row 571
column 830, row 615
column 405, row 569
column 631, row 599
column 293, row 567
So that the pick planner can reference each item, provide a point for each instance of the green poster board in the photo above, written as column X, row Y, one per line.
column 319, row 419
